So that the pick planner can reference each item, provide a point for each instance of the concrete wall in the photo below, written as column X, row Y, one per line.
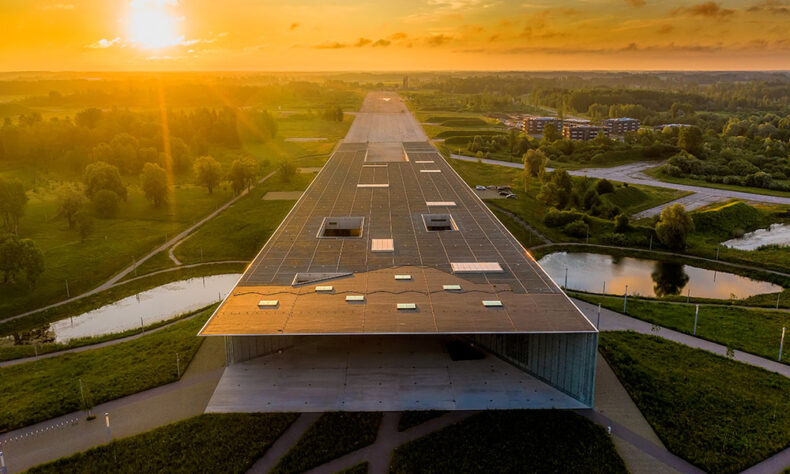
column 565, row 361
column 241, row 348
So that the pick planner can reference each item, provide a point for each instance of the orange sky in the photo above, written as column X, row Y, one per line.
column 314, row 35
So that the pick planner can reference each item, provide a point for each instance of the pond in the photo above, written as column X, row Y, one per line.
column 590, row 271
column 154, row 305
column 776, row 234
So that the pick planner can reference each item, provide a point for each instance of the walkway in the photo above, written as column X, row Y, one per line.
column 134, row 414
column 613, row 321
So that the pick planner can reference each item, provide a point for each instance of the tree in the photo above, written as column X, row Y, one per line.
column 673, row 226
column 13, row 199
column 208, row 172
column 71, row 202
column 88, row 118
column 105, row 203
column 287, row 171
column 590, row 199
column 84, row 223
column 550, row 133
column 535, row 162
column 102, row 175
column 690, row 139
column 20, row 256
column 604, row 186
column 242, row 173
column 154, row 183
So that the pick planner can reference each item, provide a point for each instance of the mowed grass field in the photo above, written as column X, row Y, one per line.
column 43, row 389
column 721, row 415
column 754, row 331
column 205, row 443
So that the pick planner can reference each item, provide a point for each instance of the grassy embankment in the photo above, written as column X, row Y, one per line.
column 13, row 351
column 512, row 441
column 660, row 175
column 331, row 436
column 205, row 443
column 754, row 331
column 718, row 414
column 43, row 389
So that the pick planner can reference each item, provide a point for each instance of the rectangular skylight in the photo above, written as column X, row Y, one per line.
column 403, row 277
column 430, row 171
column 373, row 185
column 374, row 166
column 492, row 303
column 438, row 222
column 476, row 267
column 404, row 306
column 355, row 298
column 440, row 203
column 341, row 227
column 326, row 288
column 424, row 162
column 382, row 245
column 268, row 304
column 451, row 287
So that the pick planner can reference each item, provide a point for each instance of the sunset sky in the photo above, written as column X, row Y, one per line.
column 308, row 35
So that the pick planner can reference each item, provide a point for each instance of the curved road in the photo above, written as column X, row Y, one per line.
column 633, row 174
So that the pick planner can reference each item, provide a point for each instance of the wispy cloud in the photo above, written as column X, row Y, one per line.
column 104, row 43
column 382, row 43
column 707, row 9
column 774, row 7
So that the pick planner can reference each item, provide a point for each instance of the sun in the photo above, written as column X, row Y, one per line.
column 151, row 26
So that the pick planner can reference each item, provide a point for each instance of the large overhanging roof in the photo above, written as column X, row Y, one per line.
column 451, row 267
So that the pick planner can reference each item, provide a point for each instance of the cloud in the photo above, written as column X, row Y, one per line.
column 398, row 36
column 153, row 3
column 438, row 40
column 362, row 42
column 773, row 7
column 333, row 45
column 382, row 43
column 636, row 3
column 104, row 43
column 293, row 26
column 707, row 9
column 665, row 29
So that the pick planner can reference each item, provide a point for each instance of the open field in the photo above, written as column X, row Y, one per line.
column 718, row 414
column 43, row 389
column 215, row 443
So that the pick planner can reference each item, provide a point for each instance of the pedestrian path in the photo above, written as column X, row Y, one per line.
column 613, row 321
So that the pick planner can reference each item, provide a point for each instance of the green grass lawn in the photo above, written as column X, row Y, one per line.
column 333, row 435
column 43, row 389
column 207, row 443
column 18, row 351
column 721, row 415
column 754, row 331
column 361, row 468
column 512, row 441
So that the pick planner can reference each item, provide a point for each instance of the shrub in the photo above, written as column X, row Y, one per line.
column 604, row 186
column 555, row 218
column 577, row 229
column 621, row 223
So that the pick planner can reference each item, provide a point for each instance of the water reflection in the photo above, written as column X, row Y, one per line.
column 776, row 234
column 590, row 271
column 145, row 308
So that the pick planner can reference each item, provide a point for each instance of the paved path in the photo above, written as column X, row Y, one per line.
column 613, row 321
column 634, row 174
column 284, row 443
column 123, row 273
column 134, row 414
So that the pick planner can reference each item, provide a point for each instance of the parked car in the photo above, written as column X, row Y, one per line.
column 492, row 187
column 504, row 188
column 480, row 187
column 505, row 193
column 511, row 196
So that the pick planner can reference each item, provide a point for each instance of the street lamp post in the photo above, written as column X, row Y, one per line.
column 625, row 298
